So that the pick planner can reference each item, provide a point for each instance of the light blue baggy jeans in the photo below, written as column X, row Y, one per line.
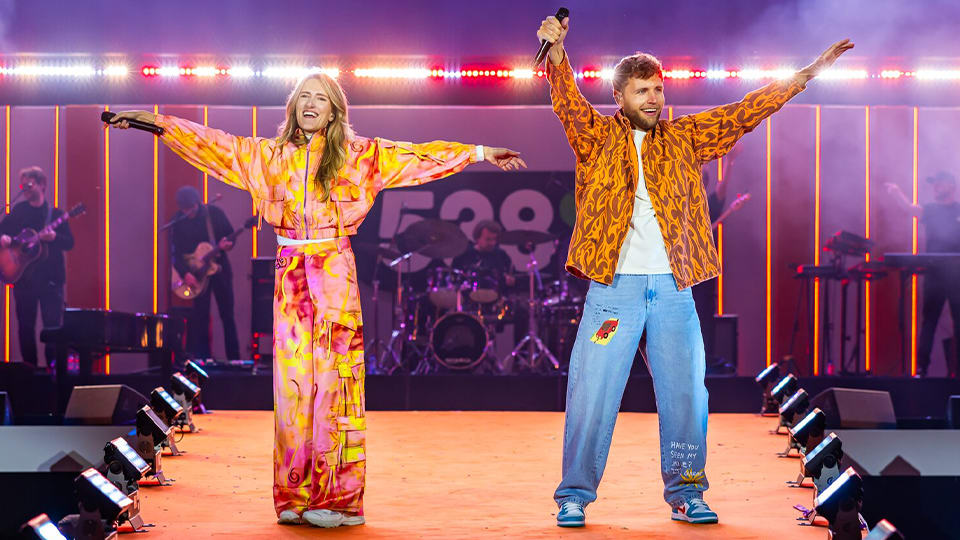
column 614, row 317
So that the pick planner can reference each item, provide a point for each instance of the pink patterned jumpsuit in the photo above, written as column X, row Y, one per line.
column 318, row 375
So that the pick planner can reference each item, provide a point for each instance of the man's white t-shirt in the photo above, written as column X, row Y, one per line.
column 643, row 250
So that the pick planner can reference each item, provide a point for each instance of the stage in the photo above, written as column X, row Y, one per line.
column 472, row 474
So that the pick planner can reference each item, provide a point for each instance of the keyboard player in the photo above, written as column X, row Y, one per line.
column 941, row 222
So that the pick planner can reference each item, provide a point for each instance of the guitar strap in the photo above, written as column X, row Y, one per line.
column 49, row 215
column 213, row 239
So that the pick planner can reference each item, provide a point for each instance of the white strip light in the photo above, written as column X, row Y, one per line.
column 116, row 71
column 50, row 71
column 168, row 71
column 393, row 73
column 843, row 74
column 241, row 72
column 297, row 72
column 938, row 74
column 779, row 73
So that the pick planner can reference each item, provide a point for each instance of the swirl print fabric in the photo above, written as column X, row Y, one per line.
column 673, row 152
column 320, row 422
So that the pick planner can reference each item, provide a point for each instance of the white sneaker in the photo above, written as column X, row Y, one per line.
column 289, row 517
column 329, row 519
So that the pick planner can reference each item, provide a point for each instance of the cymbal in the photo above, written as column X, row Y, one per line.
column 522, row 237
column 434, row 238
column 376, row 249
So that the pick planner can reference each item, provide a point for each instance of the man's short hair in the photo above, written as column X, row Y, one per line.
column 639, row 65
column 35, row 173
column 486, row 225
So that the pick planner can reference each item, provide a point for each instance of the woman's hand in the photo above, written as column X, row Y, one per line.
column 120, row 119
column 504, row 158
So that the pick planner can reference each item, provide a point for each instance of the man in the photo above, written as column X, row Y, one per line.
column 194, row 223
column 492, row 269
column 485, row 254
column 642, row 236
column 941, row 221
column 43, row 281
column 705, row 292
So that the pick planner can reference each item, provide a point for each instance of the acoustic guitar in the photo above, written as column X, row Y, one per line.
column 202, row 264
column 26, row 247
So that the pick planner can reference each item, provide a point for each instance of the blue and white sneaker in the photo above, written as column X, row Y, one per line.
column 570, row 515
column 693, row 510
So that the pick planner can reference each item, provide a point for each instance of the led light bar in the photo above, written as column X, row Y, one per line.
column 296, row 70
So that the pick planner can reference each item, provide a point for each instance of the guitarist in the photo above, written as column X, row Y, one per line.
column 193, row 224
column 705, row 294
column 43, row 281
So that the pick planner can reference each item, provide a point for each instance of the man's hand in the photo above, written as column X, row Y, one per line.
column 504, row 158
column 47, row 236
column 554, row 31
column 5, row 240
column 826, row 59
column 225, row 244
column 120, row 121
column 190, row 280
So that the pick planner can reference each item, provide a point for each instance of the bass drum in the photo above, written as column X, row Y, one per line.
column 458, row 340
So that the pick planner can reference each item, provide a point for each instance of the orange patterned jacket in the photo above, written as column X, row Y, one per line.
column 673, row 153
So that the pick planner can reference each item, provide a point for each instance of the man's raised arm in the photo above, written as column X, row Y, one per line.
column 716, row 130
column 581, row 122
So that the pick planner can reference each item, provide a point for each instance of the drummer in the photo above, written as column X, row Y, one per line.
column 485, row 255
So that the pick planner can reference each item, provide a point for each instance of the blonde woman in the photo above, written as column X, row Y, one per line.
column 314, row 184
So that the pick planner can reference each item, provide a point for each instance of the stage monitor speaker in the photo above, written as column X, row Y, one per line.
column 725, row 339
column 38, row 465
column 953, row 412
column 6, row 411
column 261, row 295
column 107, row 404
column 856, row 409
column 910, row 477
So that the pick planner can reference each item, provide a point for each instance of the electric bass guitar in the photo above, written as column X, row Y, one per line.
column 26, row 247
column 734, row 206
column 202, row 264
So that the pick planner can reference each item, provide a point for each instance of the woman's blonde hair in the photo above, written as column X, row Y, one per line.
column 338, row 131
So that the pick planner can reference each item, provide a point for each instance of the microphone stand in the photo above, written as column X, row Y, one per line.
column 10, row 204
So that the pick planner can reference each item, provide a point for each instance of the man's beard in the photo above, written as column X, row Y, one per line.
column 641, row 122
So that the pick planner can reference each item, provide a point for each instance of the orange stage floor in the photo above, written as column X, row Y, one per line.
column 479, row 474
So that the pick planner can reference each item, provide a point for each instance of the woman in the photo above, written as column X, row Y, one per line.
column 315, row 183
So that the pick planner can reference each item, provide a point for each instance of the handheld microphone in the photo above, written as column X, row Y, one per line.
column 106, row 116
column 545, row 45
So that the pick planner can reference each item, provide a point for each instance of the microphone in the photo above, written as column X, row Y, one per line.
column 106, row 116
column 545, row 45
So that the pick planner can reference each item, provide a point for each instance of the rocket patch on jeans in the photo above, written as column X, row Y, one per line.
column 606, row 332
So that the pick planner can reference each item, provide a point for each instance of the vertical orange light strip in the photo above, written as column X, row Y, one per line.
column 670, row 113
column 255, row 231
column 914, row 245
column 6, row 289
column 156, row 219
column 106, row 228
column 867, row 333
column 769, row 253
column 816, row 244
column 56, row 156
column 720, row 246
column 206, row 198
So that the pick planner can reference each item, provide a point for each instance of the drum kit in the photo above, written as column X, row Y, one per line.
column 448, row 323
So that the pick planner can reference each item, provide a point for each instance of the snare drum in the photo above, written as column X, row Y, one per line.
column 458, row 340
column 484, row 285
column 443, row 287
